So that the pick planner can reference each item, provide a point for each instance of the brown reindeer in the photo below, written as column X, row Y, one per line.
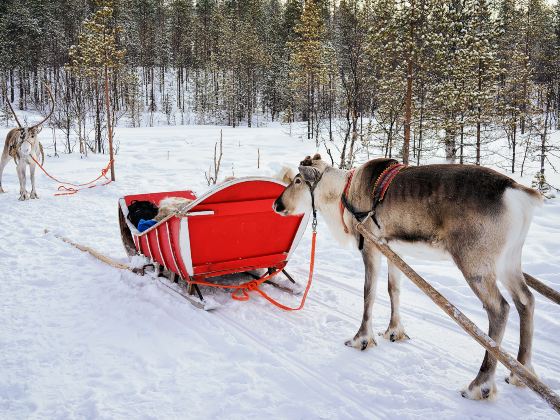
column 22, row 145
column 474, row 215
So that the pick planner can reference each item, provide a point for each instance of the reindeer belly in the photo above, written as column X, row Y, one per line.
column 433, row 251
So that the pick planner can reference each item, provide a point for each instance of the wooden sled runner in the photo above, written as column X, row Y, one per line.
column 230, row 229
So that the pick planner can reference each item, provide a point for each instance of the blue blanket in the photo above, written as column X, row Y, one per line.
column 145, row 224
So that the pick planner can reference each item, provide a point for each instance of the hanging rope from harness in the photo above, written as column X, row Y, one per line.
column 68, row 188
column 380, row 187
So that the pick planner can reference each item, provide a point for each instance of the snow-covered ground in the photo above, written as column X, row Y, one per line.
column 79, row 339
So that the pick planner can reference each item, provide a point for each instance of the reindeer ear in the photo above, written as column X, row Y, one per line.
column 306, row 162
column 309, row 173
column 317, row 156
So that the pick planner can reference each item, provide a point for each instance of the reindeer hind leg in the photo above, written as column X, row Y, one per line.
column 525, row 304
column 395, row 330
column 497, row 308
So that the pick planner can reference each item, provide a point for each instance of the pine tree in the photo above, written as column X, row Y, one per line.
column 385, row 49
column 309, row 60
column 351, row 36
column 483, row 66
column 96, row 54
column 514, row 72
column 451, row 75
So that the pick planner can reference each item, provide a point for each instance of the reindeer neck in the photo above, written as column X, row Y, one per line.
column 330, row 188
column 327, row 197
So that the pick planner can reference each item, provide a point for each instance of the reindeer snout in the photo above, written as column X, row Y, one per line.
column 278, row 206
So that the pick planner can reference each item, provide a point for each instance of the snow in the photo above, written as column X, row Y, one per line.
column 80, row 339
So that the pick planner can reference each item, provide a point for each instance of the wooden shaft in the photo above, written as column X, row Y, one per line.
column 542, row 288
column 93, row 252
column 481, row 337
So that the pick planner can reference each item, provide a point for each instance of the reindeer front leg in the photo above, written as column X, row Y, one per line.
column 364, row 338
column 23, row 195
column 3, row 162
column 32, row 176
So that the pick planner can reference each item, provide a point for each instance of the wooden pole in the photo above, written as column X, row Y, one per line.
column 527, row 377
column 542, row 288
column 93, row 252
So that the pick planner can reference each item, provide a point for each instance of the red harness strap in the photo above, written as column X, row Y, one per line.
column 380, row 187
column 345, row 193
column 384, row 180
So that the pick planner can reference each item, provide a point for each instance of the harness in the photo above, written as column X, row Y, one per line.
column 380, row 187
column 312, row 187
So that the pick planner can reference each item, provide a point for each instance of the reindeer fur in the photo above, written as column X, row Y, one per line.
column 21, row 144
column 476, row 216
column 169, row 206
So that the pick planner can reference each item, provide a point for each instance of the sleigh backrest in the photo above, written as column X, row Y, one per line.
column 242, row 228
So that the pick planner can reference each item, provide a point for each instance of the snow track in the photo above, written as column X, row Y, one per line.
column 317, row 383
column 82, row 340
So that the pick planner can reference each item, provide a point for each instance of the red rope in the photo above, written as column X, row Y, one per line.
column 253, row 286
column 70, row 188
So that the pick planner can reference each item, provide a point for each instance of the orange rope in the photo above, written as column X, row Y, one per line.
column 253, row 286
column 69, row 190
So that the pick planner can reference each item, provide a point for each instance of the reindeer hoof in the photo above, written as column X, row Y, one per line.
column 23, row 196
column 485, row 391
column 395, row 334
column 33, row 195
column 514, row 379
column 2, row 190
column 361, row 343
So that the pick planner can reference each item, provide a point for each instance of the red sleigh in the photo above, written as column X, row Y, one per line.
column 230, row 229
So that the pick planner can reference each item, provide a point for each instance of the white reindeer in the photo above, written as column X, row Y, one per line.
column 22, row 145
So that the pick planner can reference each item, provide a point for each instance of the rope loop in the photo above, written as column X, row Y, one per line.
column 69, row 188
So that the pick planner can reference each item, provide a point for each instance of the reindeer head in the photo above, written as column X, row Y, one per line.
column 297, row 197
column 27, row 139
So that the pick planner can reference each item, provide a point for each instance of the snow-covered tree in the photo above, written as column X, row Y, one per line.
column 96, row 55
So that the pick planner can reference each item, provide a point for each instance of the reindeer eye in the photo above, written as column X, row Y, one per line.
column 297, row 181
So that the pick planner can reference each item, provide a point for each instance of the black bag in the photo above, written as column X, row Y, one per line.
column 141, row 210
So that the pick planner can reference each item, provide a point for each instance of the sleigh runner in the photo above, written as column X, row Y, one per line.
column 230, row 229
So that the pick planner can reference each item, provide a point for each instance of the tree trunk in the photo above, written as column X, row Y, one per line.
column 12, row 96
column 478, row 113
column 109, row 124
column 450, row 152
column 461, row 144
column 97, row 118
column 545, row 132
column 408, row 97
column 513, row 146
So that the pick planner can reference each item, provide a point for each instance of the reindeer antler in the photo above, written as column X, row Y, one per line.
column 52, row 106
column 10, row 105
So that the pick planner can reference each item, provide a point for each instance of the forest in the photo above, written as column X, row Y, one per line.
column 409, row 79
